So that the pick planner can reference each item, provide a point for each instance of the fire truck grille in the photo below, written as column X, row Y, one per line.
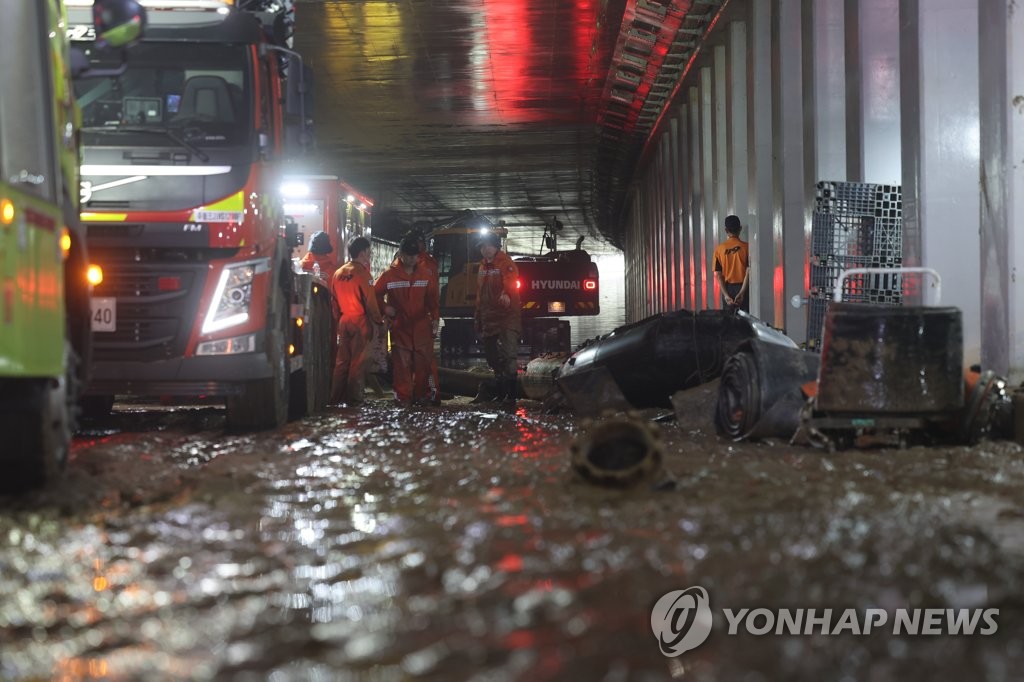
column 156, row 307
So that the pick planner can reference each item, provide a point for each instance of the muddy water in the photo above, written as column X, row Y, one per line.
column 454, row 544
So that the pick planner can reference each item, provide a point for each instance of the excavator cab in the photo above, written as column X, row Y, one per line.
column 458, row 259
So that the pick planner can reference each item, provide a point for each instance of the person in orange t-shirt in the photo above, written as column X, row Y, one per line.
column 357, row 302
column 732, row 267
column 408, row 294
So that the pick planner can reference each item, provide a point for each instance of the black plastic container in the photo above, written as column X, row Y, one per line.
column 893, row 360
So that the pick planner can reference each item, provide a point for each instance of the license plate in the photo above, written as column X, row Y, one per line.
column 104, row 314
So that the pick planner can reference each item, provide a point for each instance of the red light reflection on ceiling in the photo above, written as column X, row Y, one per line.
column 509, row 36
column 534, row 65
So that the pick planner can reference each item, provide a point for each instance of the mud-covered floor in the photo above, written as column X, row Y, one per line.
column 453, row 543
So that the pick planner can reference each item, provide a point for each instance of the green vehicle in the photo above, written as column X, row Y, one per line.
column 45, row 336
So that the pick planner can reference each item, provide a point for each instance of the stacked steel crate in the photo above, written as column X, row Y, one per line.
column 855, row 225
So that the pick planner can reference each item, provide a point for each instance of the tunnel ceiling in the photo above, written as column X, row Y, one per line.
column 523, row 110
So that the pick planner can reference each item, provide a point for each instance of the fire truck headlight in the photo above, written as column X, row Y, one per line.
column 230, row 304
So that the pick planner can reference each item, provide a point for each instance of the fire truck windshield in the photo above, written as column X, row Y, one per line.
column 195, row 98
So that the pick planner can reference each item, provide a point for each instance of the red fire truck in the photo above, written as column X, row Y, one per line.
column 326, row 203
column 183, row 162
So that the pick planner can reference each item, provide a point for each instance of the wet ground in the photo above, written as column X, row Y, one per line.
column 454, row 543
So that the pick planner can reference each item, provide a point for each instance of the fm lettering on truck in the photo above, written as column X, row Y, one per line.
column 555, row 284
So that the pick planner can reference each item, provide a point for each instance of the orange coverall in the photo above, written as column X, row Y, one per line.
column 414, row 296
column 431, row 264
column 357, row 302
column 499, row 325
column 324, row 260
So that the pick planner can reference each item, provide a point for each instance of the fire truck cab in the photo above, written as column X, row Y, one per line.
column 184, row 155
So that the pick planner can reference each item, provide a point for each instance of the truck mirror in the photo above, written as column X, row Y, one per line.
column 118, row 23
column 292, row 236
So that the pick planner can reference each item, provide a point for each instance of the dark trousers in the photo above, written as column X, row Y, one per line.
column 732, row 290
column 501, row 351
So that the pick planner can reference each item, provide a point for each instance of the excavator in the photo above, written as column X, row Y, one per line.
column 552, row 286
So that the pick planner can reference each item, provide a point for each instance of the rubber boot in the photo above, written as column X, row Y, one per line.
column 485, row 393
column 507, row 393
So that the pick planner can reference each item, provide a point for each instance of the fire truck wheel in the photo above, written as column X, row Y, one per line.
column 263, row 404
column 96, row 406
column 38, row 436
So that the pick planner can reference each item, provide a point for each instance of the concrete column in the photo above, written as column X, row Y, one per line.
column 654, row 224
column 723, row 173
column 697, row 284
column 945, row 162
column 1001, row 113
column 707, row 158
column 675, row 287
column 650, row 251
column 829, row 89
column 910, row 136
column 668, row 191
column 686, row 276
column 627, row 266
column 636, row 260
column 854, row 92
column 795, row 224
column 879, row 36
column 739, row 152
column 762, row 172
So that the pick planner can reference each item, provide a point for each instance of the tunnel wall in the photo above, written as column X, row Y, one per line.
column 786, row 93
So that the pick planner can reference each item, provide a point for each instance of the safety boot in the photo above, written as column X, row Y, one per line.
column 507, row 393
column 486, row 392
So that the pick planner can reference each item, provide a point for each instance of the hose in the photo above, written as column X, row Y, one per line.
column 739, row 397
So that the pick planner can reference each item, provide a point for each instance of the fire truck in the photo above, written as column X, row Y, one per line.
column 184, row 155
column 552, row 286
column 44, row 269
column 327, row 203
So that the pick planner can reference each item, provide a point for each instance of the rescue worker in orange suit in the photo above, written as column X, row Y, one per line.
column 407, row 292
column 427, row 260
column 732, row 267
column 498, row 315
column 320, row 257
column 357, row 303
